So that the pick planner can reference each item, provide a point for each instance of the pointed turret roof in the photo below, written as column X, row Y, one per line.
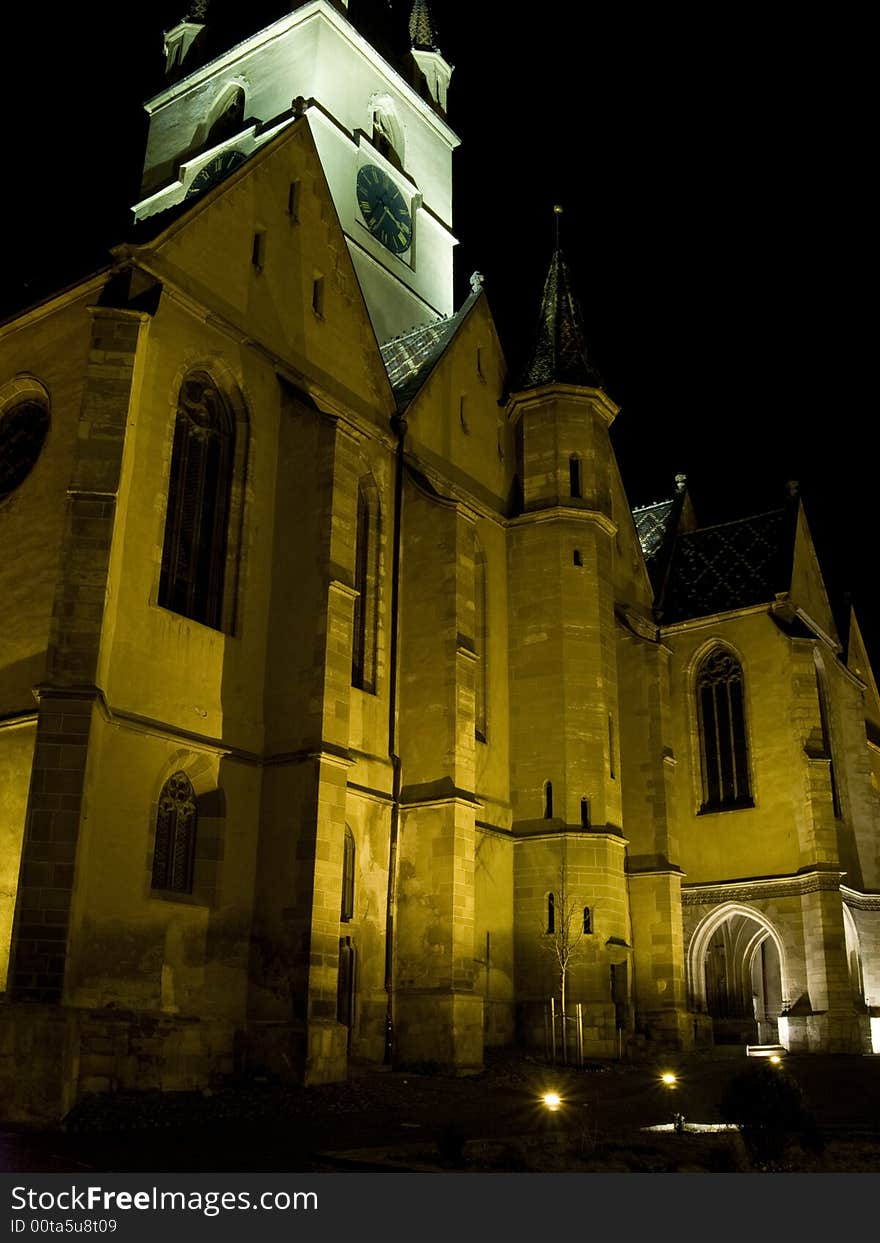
column 559, row 354
column 422, row 31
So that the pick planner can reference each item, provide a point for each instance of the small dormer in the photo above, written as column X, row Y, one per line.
column 433, row 71
column 179, row 40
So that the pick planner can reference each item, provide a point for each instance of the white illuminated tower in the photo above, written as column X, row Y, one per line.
column 383, row 141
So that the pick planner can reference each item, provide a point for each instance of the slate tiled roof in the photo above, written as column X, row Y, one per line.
column 560, row 353
column 652, row 525
column 409, row 359
column 731, row 566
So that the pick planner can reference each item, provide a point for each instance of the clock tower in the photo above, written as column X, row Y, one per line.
column 381, row 133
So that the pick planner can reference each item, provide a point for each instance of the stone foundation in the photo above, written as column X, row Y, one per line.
column 52, row 1056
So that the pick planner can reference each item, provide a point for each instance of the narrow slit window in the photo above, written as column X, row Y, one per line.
column 585, row 813
column 348, row 860
column 548, row 800
column 318, row 296
column 258, row 250
column 588, row 921
column 578, row 559
column 574, row 476
column 612, row 770
column 293, row 201
column 551, row 914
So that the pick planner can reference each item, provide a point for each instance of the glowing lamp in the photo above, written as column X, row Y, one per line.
column 669, row 1079
column 552, row 1100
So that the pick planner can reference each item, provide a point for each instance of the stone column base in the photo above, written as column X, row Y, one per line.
column 667, row 1030
column 826, row 1032
column 298, row 1053
column 443, row 1029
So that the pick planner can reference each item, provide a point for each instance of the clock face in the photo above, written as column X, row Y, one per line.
column 384, row 209
column 215, row 170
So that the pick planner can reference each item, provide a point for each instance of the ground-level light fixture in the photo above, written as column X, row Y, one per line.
column 668, row 1079
column 552, row 1100
column 775, row 1060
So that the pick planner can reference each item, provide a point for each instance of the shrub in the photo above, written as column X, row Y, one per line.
column 768, row 1107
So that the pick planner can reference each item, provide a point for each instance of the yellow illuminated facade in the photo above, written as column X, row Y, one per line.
column 334, row 656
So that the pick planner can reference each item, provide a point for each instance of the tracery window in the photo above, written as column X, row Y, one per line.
column 197, row 518
column 176, row 822
column 723, row 739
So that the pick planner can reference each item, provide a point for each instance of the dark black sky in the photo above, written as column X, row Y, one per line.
column 713, row 167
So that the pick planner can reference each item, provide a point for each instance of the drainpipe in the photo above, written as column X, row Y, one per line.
column 399, row 427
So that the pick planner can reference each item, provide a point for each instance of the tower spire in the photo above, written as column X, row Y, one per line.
column 559, row 354
column 422, row 32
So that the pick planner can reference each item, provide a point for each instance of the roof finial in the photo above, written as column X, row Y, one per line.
column 794, row 488
column 680, row 483
column 557, row 211
column 198, row 11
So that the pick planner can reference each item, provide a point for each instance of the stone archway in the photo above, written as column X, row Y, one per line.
column 736, row 973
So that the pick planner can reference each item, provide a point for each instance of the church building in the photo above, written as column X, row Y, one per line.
column 340, row 684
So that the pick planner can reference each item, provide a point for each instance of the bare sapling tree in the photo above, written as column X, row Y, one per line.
column 564, row 941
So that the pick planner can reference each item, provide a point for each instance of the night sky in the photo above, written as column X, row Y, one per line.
column 713, row 168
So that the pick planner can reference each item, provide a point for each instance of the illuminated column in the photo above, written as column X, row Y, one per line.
column 293, row 1025
column 437, row 1015
column 67, row 702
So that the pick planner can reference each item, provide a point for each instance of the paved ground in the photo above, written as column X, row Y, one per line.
column 406, row 1120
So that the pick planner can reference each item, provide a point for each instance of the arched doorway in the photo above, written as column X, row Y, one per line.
column 736, row 973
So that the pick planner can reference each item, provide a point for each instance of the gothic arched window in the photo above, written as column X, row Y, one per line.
column 480, row 637
column 174, row 850
column 347, row 911
column 197, row 518
column 366, row 582
column 723, row 740
column 229, row 119
column 387, row 132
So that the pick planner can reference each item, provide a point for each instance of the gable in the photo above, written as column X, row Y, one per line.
column 858, row 662
column 264, row 252
column 807, row 589
column 454, row 419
